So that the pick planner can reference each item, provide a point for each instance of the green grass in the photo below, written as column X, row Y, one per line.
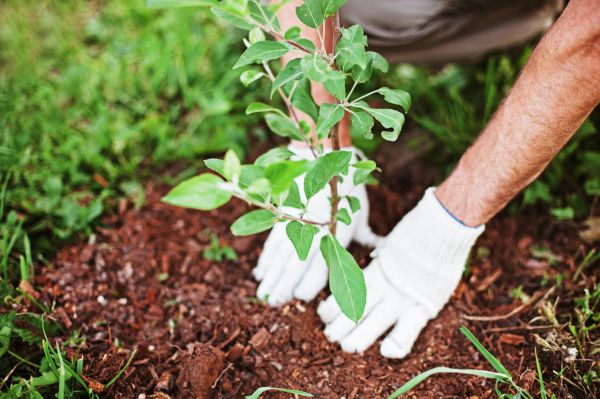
column 95, row 97
column 98, row 97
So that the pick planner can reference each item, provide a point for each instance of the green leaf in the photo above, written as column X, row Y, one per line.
column 346, row 280
column 201, row 192
column 379, row 62
column 215, row 164
column 318, row 70
column 262, row 51
column 362, row 172
column 283, row 126
column 310, row 13
column 354, row 203
column 361, row 123
column 253, row 222
column 389, row 118
column 413, row 382
column 234, row 12
column 325, row 167
column 362, row 75
column 257, row 107
column 301, row 235
column 366, row 164
column 494, row 362
column 303, row 100
column 273, row 155
column 256, row 394
column 292, row 33
column 330, row 7
column 293, row 198
column 282, row 174
column 249, row 174
column 5, row 334
column 329, row 115
column 263, row 15
column 250, row 76
column 292, row 71
column 256, row 35
column 180, row 3
column 343, row 216
column 396, row 96
column 336, row 87
column 351, row 48
column 307, row 44
column 231, row 166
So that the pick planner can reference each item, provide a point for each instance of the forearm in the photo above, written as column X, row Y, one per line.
column 557, row 90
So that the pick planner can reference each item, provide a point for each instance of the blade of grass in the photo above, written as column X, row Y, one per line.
column 494, row 362
column 62, row 374
column 116, row 377
column 413, row 382
column 543, row 393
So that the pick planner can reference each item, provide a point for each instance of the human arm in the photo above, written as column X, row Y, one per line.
column 557, row 90
column 420, row 263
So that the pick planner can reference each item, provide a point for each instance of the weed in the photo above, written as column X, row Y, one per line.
column 217, row 252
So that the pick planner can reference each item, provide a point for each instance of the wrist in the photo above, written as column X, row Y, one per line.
column 430, row 231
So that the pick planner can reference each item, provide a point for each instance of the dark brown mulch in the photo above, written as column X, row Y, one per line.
column 196, row 325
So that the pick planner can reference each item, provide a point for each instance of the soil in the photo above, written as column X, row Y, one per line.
column 141, row 282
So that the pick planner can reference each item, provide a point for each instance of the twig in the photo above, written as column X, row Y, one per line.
column 335, row 143
column 290, row 107
column 536, row 298
column 271, row 208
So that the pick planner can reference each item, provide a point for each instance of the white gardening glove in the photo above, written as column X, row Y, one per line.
column 413, row 274
column 282, row 275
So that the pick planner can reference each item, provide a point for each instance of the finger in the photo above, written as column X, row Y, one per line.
column 294, row 271
column 313, row 281
column 271, row 247
column 274, row 272
column 402, row 338
column 341, row 326
column 372, row 327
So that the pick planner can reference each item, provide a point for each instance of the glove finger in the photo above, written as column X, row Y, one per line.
column 328, row 310
column 295, row 270
column 363, row 233
column 274, row 272
column 402, row 338
column 343, row 326
column 372, row 327
column 272, row 245
column 313, row 281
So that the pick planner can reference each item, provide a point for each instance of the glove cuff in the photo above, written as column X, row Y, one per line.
column 431, row 230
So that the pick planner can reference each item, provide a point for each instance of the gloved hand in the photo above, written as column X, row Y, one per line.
column 282, row 275
column 413, row 274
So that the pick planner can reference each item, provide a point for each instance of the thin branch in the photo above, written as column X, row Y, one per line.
column 290, row 107
column 273, row 209
column 335, row 143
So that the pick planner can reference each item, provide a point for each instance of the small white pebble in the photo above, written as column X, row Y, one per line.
column 142, row 396
column 123, row 301
column 151, row 348
column 102, row 301
column 128, row 270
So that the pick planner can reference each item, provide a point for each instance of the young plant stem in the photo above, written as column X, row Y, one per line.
column 273, row 209
column 300, row 47
column 288, row 103
column 335, row 143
